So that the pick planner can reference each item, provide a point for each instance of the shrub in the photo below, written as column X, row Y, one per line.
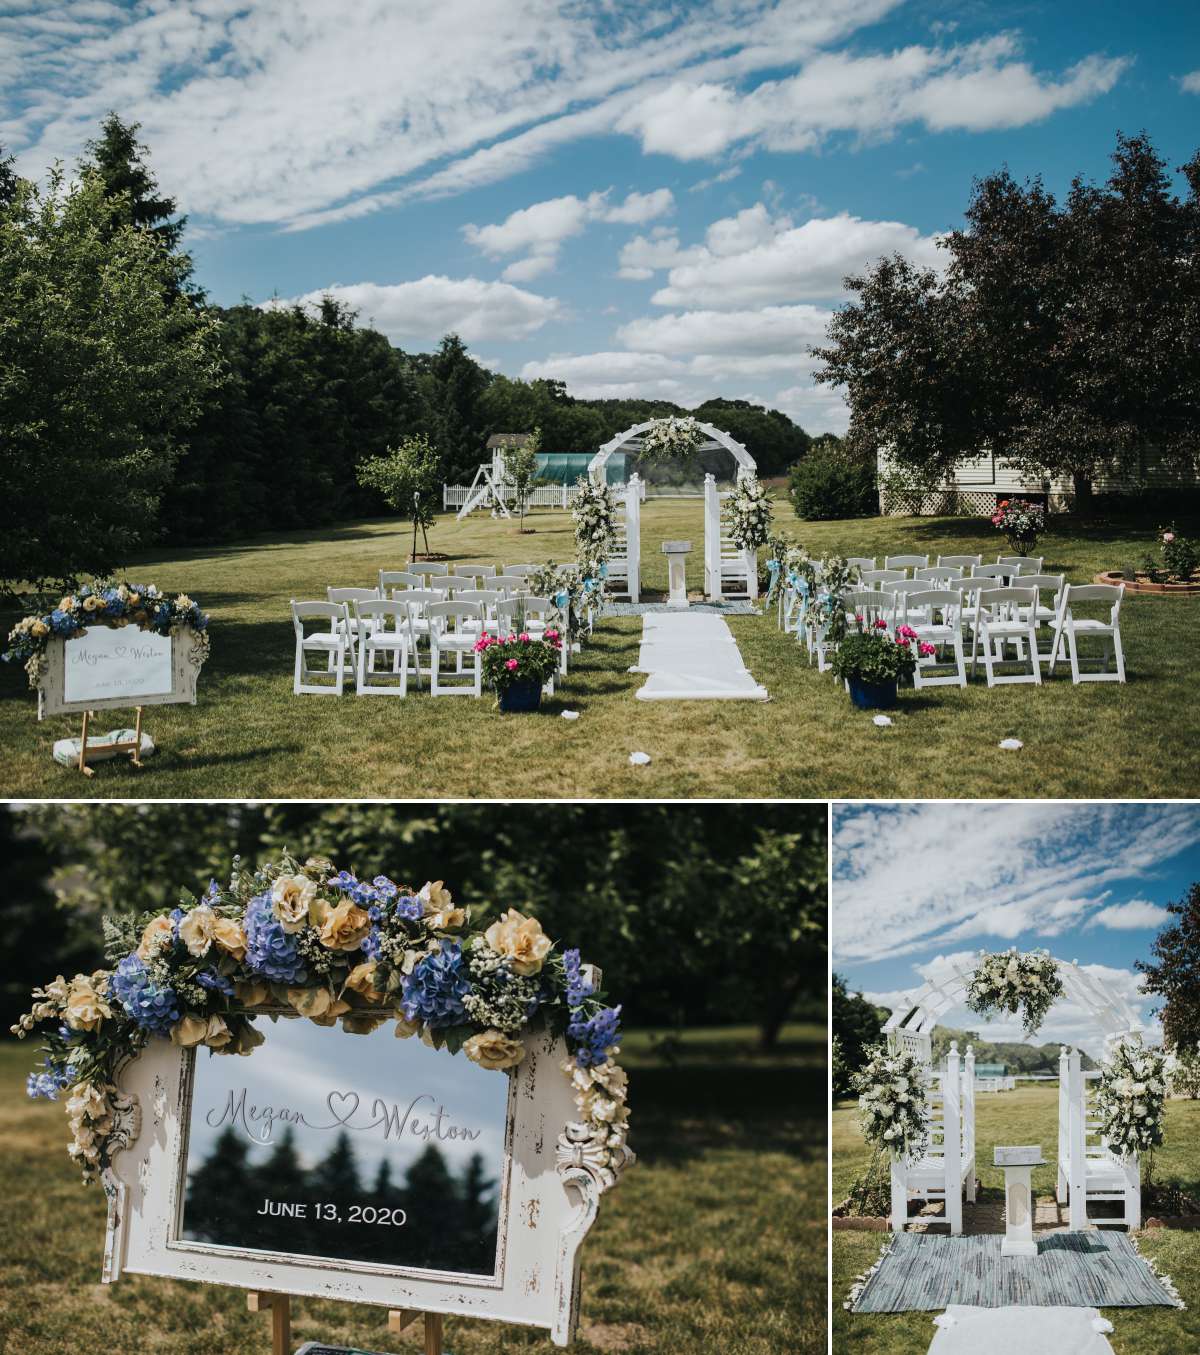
column 831, row 483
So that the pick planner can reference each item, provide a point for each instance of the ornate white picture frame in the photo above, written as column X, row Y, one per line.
column 548, row 1202
column 187, row 657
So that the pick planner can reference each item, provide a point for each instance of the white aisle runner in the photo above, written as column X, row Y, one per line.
column 692, row 656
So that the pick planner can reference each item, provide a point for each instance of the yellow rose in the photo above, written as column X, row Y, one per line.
column 312, row 1002
column 230, row 936
column 438, row 910
column 339, row 1007
column 86, row 1006
column 359, row 981
column 159, row 930
column 405, row 1028
column 291, row 898
column 521, row 939
column 246, row 1039
column 39, row 627
column 189, row 1031
column 344, row 926
column 218, row 1034
column 196, row 929
column 362, row 1023
column 251, row 993
column 90, row 604
column 494, row 1050
column 66, row 603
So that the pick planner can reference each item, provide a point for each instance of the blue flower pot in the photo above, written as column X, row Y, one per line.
column 522, row 696
column 872, row 695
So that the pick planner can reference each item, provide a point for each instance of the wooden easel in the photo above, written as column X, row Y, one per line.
column 131, row 746
column 280, row 1308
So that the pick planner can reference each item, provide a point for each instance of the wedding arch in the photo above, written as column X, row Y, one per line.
column 728, row 571
column 1088, row 1168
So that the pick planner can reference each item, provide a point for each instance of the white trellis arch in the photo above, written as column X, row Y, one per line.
column 1087, row 1169
column 728, row 571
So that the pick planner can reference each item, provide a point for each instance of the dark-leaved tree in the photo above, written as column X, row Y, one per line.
column 1174, row 973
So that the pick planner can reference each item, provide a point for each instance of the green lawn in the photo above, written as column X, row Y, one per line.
column 1028, row 1115
column 690, row 1255
column 249, row 737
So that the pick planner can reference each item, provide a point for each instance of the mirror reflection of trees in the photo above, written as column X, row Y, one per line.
column 451, row 1217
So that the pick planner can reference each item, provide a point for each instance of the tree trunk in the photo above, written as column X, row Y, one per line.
column 779, row 1003
column 414, row 544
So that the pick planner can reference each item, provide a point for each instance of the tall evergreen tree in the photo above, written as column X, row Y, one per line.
column 119, row 159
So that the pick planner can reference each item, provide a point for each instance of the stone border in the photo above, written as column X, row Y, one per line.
column 1186, row 1222
column 1144, row 587
column 847, row 1223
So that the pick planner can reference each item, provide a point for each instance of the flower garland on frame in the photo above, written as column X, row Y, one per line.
column 330, row 947
column 593, row 516
column 671, row 439
column 893, row 1107
column 1010, row 981
column 747, row 513
column 104, row 604
column 1131, row 1097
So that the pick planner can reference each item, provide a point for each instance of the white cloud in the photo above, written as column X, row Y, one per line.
column 724, row 177
column 786, row 330
column 540, row 230
column 817, row 409
column 1190, row 83
column 1132, row 916
column 1035, row 869
column 422, row 311
column 977, row 86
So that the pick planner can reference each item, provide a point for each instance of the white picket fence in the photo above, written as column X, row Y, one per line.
column 541, row 496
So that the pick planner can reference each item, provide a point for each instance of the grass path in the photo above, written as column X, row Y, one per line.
column 1028, row 1115
column 249, row 737
column 715, row 1240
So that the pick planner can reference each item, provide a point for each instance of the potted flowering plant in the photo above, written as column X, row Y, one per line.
column 1022, row 522
column 872, row 662
column 518, row 667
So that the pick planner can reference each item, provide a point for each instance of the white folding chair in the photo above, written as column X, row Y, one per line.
column 487, row 598
column 392, row 581
column 416, row 601
column 454, row 628
column 1022, row 564
column 1050, row 591
column 376, row 636
column 873, row 578
column 871, row 604
column 446, row 585
column 428, row 569
column 974, row 593
column 905, row 562
column 1001, row 572
column 510, row 584
column 1006, row 616
column 903, row 589
column 475, row 572
column 939, row 574
column 329, row 642
column 346, row 598
column 1071, row 628
column 961, row 561
column 522, row 570
column 860, row 562
column 946, row 632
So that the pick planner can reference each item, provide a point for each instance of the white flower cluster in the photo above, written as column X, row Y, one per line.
column 90, row 1117
column 893, row 1106
column 747, row 513
column 1012, row 981
column 600, row 1094
column 499, row 998
column 671, row 439
column 592, row 514
column 1129, row 1100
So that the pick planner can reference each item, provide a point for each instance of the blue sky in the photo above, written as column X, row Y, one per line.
column 655, row 199
column 915, row 885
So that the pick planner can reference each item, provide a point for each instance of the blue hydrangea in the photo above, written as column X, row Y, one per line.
column 372, row 944
column 214, row 982
column 578, row 988
column 60, row 622
column 153, row 1008
column 46, row 1083
column 434, row 991
column 270, row 951
column 594, row 1037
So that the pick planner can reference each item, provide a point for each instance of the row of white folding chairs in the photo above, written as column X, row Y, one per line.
column 993, row 615
column 1028, row 564
column 362, row 629
column 430, row 569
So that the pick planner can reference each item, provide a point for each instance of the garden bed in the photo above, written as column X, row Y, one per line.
column 1143, row 585
column 862, row 1223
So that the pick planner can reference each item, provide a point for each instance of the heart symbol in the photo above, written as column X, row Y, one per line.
column 342, row 1098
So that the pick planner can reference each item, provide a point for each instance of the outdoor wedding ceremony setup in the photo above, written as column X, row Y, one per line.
column 252, row 1173
column 918, row 1114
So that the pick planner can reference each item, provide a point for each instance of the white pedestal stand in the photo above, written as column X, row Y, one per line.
column 677, row 553
column 1018, row 1199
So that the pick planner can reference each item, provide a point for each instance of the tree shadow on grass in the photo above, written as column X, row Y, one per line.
column 681, row 1113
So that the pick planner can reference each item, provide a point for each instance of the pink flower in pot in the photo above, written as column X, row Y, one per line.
column 510, row 664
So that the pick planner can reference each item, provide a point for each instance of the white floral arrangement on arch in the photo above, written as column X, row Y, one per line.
column 593, row 515
column 321, row 943
column 1131, row 1097
column 893, row 1104
column 747, row 513
column 671, row 439
column 1011, row 981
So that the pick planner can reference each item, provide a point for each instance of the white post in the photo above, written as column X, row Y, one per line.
column 952, row 1139
column 633, row 537
column 1077, row 1185
column 712, row 540
column 1062, row 1186
column 1133, row 1192
column 968, row 1116
column 899, row 1215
